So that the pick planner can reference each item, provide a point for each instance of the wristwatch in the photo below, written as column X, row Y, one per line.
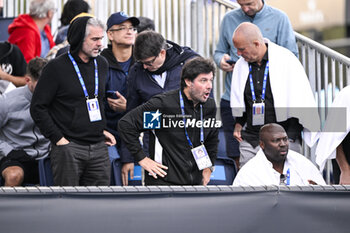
column 212, row 168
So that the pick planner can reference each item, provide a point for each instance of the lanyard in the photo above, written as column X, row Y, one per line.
column 184, row 119
column 81, row 78
column 264, row 82
column 288, row 177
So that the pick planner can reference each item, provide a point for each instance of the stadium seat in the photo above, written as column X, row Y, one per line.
column 45, row 172
column 137, row 180
column 116, row 178
column 225, row 167
column 224, row 173
column 116, row 168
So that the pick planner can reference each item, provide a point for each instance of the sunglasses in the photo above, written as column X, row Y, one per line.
column 149, row 63
column 124, row 29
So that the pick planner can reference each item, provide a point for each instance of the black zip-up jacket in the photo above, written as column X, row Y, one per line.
column 142, row 86
column 176, row 151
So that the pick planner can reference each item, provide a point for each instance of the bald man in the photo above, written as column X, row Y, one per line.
column 269, row 85
column 275, row 164
column 274, row 25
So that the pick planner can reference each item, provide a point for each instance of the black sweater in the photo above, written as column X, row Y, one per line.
column 176, row 152
column 59, row 106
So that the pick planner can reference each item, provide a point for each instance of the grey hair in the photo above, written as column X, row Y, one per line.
column 39, row 8
column 94, row 22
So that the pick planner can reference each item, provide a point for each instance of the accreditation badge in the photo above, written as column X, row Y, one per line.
column 258, row 114
column 93, row 109
column 201, row 156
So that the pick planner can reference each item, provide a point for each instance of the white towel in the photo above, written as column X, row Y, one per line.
column 290, row 88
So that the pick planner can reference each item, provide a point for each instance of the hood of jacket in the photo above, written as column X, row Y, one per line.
column 76, row 34
column 174, row 56
column 23, row 21
column 112, row 61
column 5, row 49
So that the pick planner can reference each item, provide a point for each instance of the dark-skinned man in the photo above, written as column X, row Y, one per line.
column 275, row 164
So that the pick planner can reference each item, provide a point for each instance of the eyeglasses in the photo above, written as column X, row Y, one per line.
column 126, row 29
column 149, row 63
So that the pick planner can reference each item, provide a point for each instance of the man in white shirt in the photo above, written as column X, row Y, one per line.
column 275, row 164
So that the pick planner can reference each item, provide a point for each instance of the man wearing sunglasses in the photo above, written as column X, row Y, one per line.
column 158, row 70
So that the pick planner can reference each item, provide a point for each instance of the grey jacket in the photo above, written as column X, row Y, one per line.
column 17, row 129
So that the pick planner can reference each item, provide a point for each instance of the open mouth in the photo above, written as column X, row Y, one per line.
column 283, row 152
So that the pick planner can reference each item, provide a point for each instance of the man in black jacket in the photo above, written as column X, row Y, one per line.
column 157, row 71
column 67, row 106
column 184, row 127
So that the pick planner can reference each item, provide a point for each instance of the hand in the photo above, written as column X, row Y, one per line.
column 206, row 176
column 344, row 178
column 117, row 105
column 2, row 73
column 237, row 132
column 127, row 167
column 343, row 165
column 109, row 138
column 236, row 159
column 312, row 182
column 62, row 141
column 153, row 167
column 224, row 65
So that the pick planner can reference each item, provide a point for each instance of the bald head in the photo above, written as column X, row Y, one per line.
column 248, row 31
column 269, row 129
column 249, row 42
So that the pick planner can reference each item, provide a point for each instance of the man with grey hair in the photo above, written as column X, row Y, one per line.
column 67, row 106
column 274, row 25
column 31, row 32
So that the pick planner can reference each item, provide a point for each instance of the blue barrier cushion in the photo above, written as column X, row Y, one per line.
column 219, row 173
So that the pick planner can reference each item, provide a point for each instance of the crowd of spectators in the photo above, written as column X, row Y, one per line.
column 83, row 105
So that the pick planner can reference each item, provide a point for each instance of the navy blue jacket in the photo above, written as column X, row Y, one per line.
column 116, row 81
column 142, row 86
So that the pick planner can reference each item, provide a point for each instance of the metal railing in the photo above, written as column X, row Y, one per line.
column 196, row 23
column 328, row 72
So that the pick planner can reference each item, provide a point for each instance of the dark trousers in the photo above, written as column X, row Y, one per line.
column 80, row 165
column 228, row 124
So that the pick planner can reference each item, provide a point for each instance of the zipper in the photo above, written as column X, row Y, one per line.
column 193, row 133
column 191, row 176
column 36, row 142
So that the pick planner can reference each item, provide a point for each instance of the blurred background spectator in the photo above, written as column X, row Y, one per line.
column 70, row 9
column 31, row 32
